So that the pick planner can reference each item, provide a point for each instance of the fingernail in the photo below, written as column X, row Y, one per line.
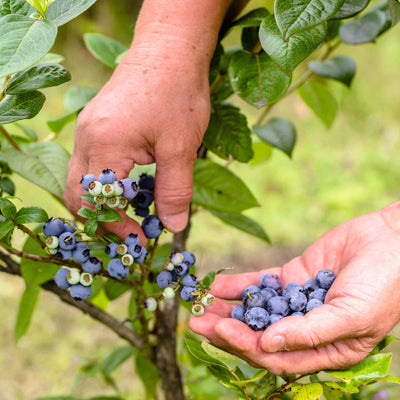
column 176, row 223
column 278, row 343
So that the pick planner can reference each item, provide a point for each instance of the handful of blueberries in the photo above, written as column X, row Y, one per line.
column 266, row 303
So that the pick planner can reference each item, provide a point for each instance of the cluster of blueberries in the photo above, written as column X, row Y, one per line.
column 108, row 191
column 176, row 277
column 267, row 303
column 61, row 240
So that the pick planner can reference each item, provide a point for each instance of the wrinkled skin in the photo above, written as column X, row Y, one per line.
column 361, row 306
column 149, row 110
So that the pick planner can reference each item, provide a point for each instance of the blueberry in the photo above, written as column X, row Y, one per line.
column 69, row 228
column 189, row 280
column 256, row 318
column 143, row 199
column 142, row 212
column 164, row 279
column 63, row 254
column 107, row 176
column 189, row 258
column 61, row 278
column 249, row 290
column 275, row 318
column 318, row 294
column 130, row 188
column 299, row 313
column 111, row 250
column 81, row 252
column 143, row 256
column 80, row 292
column 92, row 265
column 278, row 305
column 298, row 301
column 86, row 180
column 267, row 293
column 53, row 227
column 314, row 303
column 135, row 250
column 67, row 241
column 255, row 300
column 181, row 269
column 325, row 278
column 186, row 293
column 132, row 239
column 117, row 270
column 291, row 288
column 146, row 181
column 152, row 226
column 272, row 281
column 238, row 313
column 310, row 286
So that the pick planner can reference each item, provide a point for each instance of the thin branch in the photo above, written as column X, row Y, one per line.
column 10, row 139
column 13, row 268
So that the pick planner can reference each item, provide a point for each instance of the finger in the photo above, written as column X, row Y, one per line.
column 230, row 287
column 174, row 185
column 323, row 325
column 221, row 308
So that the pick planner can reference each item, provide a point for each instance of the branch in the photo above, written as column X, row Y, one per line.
column 10, row 139
column 13, row 268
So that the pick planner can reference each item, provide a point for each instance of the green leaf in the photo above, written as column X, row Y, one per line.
column 227, row 359
column 394, row 7
column 90, row 227
column 56, row 125
column 262, row 152
column 114, row 289
column 256, row 78
column 6, row 227
column 350, row 8
column 227, row 134
column 29, row 132
column 111, row 237
column 51, row 58
column 265, row 386
column 58, row 398
column 252, row 19
column 364, row 29
column 116, row 358
column 279, row 133
column 224, row 376
column 104, row 48
column 35, row 273
column 15, row 7
column 309, row 391
column 60, row 12
column 209, row 279
column 37, row 77
column 148, row 374
column 108, row 215
column 25, row 311
column 290, row 53
column 78, row 96
column 341, row 386
column 217, row 188
column 318, row 97
column 297, row 16
column 88, row 197
column 383, row 344
column 119, row 58
column 43, row 164
column 332, row 394
column 87, row 213
column 7, row 186
column 244, row 224
column 340, row 68
column 21, row 106
column 7, row 208
column 23, row 41
column 27, row 215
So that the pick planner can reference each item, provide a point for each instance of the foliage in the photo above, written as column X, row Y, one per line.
column 298, row 36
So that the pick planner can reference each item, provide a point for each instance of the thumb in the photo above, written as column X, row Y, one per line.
column 174, row 189
column 321, row 326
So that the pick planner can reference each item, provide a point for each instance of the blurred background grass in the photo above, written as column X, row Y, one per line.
column 335, row 174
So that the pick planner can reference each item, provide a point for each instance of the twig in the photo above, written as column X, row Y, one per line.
column 10, row 139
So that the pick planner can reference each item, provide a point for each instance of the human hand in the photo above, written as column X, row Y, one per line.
column 154, row 108
column 361, row 306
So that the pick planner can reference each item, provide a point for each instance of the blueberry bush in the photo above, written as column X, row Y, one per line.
column 290, row 46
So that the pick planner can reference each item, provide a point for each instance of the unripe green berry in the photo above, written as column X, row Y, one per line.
column 108, row 190
column 53, row 252
column 100, row 199
column 123, row 202
column 95, row 188
column 51, row 242
column 208, row 300
column 73, row 277
column 151, row 304
column 112, row 202
column 197, row 309
column 169, row 293
column 86, row 279
column 170, row 267
column 118, row 189
column 122, row 249
column 127, row 260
